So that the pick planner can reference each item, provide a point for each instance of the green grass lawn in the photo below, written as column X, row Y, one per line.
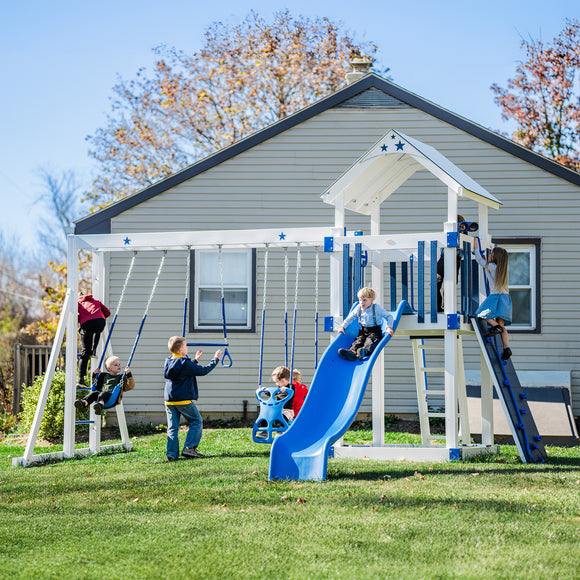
column 132, row 515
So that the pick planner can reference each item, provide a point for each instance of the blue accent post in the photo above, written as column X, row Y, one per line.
column 404, row 282
column 411, row 260
column 433, row 281
column 421, row 282
column 474, row 285
column 346, row 280
column 393, row 285
column 328, row 323
column 357, row 267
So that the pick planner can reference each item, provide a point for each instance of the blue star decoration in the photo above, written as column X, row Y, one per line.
column 399, row 146
column 127, row 241
column 393, row 137
column 383, row 147
column 282, row 235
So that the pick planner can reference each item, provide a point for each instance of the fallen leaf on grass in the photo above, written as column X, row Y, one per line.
column 225, row 506
column 136, row 500
column 419, row 475
column 284, row 498
column 455, row 505
column 475, row 474
column 300, row 500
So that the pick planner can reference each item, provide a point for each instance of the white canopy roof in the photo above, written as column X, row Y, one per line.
column 388, row 164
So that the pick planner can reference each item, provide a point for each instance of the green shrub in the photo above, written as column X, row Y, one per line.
column 52, row 424
column 7, row 422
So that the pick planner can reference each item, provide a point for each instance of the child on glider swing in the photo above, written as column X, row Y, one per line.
column 105, row 385
column 370, row 334
column 281, row 376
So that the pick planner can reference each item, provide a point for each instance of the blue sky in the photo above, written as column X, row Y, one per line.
column 60, row 59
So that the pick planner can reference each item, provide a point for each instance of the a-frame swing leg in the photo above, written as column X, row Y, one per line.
column 122, row 422
column 47, row 383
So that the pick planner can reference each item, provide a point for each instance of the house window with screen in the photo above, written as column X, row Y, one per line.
column 233, row 272
column 524, row 283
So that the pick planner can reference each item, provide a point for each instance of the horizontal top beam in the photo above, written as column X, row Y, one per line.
column 136, row 241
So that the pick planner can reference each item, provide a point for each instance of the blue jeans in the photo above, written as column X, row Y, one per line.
column 195, row 427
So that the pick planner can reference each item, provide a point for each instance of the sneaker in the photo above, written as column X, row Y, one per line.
column 497, row 329
column 346, row 354
column 192, row 453
column 98, row 407
column 81, row 386
column 171, row 458
column 361, row 353
column 80, row 405
column 507, row 352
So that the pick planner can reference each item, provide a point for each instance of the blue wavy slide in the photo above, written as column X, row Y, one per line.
column 332, row 403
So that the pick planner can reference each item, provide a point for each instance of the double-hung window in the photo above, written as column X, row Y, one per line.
column 230, row 273
column 524, row 282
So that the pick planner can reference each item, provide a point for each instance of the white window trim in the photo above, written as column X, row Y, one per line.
column 531, row 249
column 194, row 294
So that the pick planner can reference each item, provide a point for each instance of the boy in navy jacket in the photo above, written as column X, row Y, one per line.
column 180, row 393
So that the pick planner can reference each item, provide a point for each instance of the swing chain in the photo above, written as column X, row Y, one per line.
column 265, row 277
column 317, row 270
column 156, row 282
column 298, row 266
column 221, row 270
column 126, row 282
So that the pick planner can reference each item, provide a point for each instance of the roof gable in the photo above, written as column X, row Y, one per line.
column 388, row 164
column 382, row 93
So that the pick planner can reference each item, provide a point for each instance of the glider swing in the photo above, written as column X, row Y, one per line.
column 226, row 360
column 271, row 421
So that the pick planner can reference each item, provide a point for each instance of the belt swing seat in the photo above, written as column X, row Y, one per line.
column 115, row 393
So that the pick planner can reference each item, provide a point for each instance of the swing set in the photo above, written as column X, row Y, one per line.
column 101, row 245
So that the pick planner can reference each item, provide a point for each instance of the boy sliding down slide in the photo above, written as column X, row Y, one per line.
column 370, row 316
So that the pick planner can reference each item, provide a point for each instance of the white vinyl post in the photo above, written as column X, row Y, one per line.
column 378, row 372
column 487, row 428
column 71, row 348
column 336, row 265
column 450, row 307
column 98, row 287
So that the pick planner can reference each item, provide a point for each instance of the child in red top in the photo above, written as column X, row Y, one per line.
column 281, row 376
column 92, row 314
column 300, row 392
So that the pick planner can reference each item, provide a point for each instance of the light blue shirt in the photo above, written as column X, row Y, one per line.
column 367, row 318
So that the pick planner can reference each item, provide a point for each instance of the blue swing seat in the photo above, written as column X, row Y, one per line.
column 271, row 421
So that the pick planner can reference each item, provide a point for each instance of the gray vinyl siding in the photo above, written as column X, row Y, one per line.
column 277, row 184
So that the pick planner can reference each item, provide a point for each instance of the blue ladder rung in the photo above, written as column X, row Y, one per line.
column 83, row 422
column 207, row 344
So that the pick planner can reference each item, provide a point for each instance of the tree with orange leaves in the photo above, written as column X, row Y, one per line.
column 542, row 98
column 244, row 78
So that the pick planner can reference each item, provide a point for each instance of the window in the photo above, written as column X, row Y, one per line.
column 524, row 282
column 237, row 273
